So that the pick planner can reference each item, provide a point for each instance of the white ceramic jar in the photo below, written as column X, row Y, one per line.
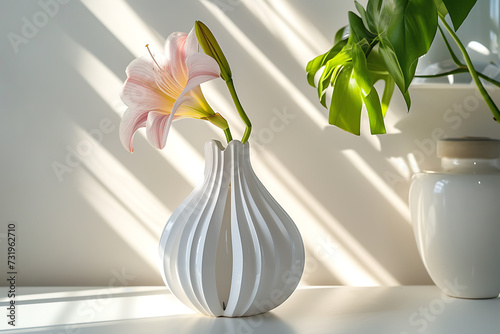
column 456, row 218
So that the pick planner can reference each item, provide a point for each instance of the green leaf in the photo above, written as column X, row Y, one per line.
column 362, row 14
column 411, row 32
column 327, row 76
column 345, row 107
column 458, row 10
column 378, row 15
column 360, row 70
column 407, row 98
column 330, row 69
column 379, row 72
column 314, row 65
column 391, row 62
column 441, row 7
column 406, row 28
column 358, row 30
column 339, row 36
column 365, row 78
column 375, row 62
column 375, row 114
column 387, row 95
column 334, row 76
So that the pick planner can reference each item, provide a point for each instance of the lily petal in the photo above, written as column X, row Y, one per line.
column 131, row 121
column 157, row 127
column 202, row 68
column 176, row 55
column 140, row 90
column 191, row 47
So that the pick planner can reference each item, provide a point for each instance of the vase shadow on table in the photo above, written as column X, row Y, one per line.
column 261, row 323
column 193, row 323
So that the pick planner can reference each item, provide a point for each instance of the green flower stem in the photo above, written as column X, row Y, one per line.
column 470, row 67
column 241, row 112
column 229, row 137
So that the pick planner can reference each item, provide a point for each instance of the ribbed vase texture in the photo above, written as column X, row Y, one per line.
column 230, row 249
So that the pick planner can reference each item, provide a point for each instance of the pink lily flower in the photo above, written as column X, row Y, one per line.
column 166, row 87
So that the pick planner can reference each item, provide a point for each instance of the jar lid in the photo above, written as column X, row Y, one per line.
column 469, row 148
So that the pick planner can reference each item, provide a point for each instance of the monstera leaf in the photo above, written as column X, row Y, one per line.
column 458, row 10
column 399, row 31
column 383, row 42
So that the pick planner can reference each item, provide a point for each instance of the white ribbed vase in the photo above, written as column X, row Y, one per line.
column 230, row 249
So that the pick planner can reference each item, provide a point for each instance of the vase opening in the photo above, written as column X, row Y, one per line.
column 224, row 259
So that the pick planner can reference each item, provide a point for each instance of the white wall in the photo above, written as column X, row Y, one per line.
column 101, row 217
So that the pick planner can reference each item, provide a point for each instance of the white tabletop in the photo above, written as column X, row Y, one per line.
column 338, row 310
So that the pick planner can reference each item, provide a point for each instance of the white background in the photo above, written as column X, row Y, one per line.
column 96, row 218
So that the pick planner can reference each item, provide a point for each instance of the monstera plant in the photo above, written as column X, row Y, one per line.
column 384, row 42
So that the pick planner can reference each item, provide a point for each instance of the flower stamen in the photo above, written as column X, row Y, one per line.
column 147, row 47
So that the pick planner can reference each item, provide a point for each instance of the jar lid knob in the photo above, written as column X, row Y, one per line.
column 469, row 148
